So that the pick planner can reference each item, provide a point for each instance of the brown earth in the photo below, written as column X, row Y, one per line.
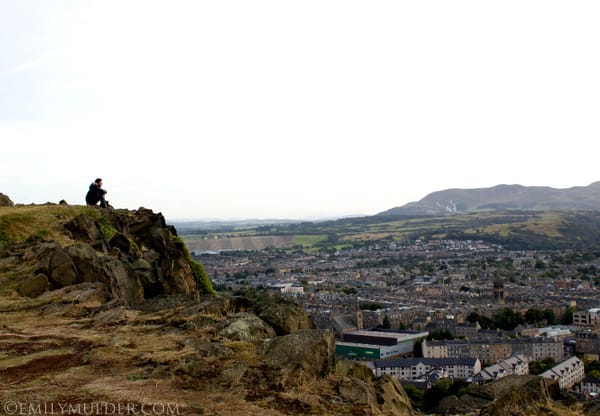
column 182, row 352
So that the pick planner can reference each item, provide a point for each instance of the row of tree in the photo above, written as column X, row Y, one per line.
column 507, row 319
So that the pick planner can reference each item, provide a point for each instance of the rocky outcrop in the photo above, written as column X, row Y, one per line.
column 5, row 201
column 301, row 356
column 509, row 395
column 285, row 317
column 384, row 396
column 245, row 327
column 112, row 293
column 134, row 254
column 33, row 286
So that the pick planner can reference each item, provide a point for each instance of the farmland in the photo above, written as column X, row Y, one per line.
column 516, row 229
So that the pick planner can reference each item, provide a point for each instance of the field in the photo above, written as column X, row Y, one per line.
column 513, row 229
column 238, row 243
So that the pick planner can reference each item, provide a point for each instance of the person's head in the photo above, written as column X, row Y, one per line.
column 98, row 182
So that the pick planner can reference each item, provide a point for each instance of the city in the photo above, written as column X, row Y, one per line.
column 498, row 309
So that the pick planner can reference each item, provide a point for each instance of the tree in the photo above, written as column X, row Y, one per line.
column 440, row 334
column 436, row 393
column 386, row 322
column 415, row 395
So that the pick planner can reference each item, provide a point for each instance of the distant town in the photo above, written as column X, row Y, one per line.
column 423, row 310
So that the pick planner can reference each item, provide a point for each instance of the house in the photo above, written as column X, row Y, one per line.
column 467, row 330
column 567, row 373
column 416, row 368
column 515, row 365
column 434, row 349
column 590, row 386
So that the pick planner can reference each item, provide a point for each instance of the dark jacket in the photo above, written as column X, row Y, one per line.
column 95, row 195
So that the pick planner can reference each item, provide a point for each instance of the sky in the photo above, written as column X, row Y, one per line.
column 294, row 109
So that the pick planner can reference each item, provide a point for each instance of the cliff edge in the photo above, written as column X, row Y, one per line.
column 106, row 309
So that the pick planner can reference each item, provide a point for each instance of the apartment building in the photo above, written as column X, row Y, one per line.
column 568, row 373
column 416, row 368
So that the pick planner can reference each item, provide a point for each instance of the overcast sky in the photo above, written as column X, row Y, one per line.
column 294, row 109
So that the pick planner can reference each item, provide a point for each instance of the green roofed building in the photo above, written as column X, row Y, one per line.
column 359, row 351
column 376, row 345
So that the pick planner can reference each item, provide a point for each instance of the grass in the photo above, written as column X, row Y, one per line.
column 24, row 359
column 308, row 240
column 17, row 224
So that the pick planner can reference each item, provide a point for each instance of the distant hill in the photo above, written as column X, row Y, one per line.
column 503, row 198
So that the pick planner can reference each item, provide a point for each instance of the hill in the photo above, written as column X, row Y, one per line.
column 502, row 198
column 519, row 230
column 104, row 312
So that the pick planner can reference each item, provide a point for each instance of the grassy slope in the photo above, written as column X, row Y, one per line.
column 525, row 229
column 19, row 223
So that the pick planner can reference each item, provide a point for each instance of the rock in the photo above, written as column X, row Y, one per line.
column 115, row 316
column 466, row 404
column 84, row 228
column 347, row 368
column 89, row 295
column 87, row 263
column 245, row 327
column 286, row 317
column 520, row 394
column 355, row 390
column 392, row 398
column 383, row 397
column 123, row 281
column 34, row 286
column 75, row 300
column 301, row 357
column 121, row 242
column 56, row 264
column 5, row 201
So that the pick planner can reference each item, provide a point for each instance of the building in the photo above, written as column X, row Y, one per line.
column 417, row 368
column 467, row 330
column 568, row 373
column 547, row 348
column 587, row 318
column 590, row 386
column 434, row 349
column 292, row 289
column 587, row 342
column 515, row 365
column 458, row 349
column 375, row 345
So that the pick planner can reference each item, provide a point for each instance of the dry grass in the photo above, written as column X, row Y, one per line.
column 19, row 223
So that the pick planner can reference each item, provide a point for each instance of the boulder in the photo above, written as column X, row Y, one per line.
column 34, row 286
column 84, row 228
column 300, row 357
column 115, row 316
column 87, row 263
column 90, row 295
column 124, row 283
column 121, row 242
column 245, row 327
column 519, row 394
column 56, row 264
column 391, row 397
column 357, row 391
column 286, row 317
column 5, row 201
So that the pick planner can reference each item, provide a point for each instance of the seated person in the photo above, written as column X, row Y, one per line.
column 96, row 194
